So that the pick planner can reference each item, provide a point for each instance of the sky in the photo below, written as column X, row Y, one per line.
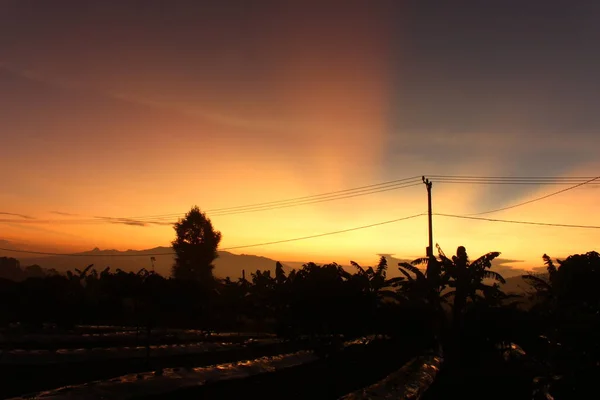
column 136, row 108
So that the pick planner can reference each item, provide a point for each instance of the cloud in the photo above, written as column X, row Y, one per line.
column 133, row 222
column 500, row 266
column 193, row 110
column 6, row 244
column 291, row 124
column 64, row 213
column 162, row 223
column 17, row 215
column 124, row 221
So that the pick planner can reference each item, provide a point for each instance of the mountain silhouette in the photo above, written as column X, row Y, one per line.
column 228, row 264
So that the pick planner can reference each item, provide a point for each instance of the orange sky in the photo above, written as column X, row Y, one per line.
column 132, row 113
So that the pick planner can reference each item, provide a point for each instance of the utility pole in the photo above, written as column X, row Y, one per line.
column 428, row 184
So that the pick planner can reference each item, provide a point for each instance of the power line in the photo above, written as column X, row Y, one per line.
column 534, row 178
column 294, row 199
column 370, row 189
column 311, row 236
column 511, row 183
column 161, row 221
column 226, row 248
column 328, row 233
column 538, row 198
column 498, row 180
column 518, row 222
column 328, row 194
column 316, row 201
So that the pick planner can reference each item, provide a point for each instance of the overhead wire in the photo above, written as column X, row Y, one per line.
column 473, row 216
column 408, row 184
column 226, row 248
column 267, row 206
column 161, row 219
column 537, row 198
column 372, row 189
column 301, row 198
column 518, row 222
column 511, row 178
column 366, row 190
column 317, row 200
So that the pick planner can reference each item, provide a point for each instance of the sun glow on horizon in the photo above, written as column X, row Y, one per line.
column 220, row 109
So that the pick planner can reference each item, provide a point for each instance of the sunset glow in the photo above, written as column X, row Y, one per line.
column 224, row 108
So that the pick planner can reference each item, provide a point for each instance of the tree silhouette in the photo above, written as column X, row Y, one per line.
column 195, row 247
column 566, row 311
column 10, row 268
column 467, row 279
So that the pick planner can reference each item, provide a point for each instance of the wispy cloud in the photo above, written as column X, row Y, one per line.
column 16, row 215
column 128, row 222
column 162, row 223
column 133, row 222
column 183, row 108
column 64, row 213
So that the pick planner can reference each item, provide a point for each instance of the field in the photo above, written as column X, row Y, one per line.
column 211, row 366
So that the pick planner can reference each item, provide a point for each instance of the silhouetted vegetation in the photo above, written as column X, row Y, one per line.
column 317, row 299
column 195, row 247
column 10, row 268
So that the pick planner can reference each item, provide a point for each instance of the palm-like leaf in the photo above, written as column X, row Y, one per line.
column 538, row 283
column 83, row 273
column 494, row 275
column 420, row 261
column 409, row 267
column 382, row 266
column 344, row 274
column 549, row 264
column 485, row 261
column 390, row 294
column 357, row 266
column 440, row 251
column 394, row 281
column 410, row 278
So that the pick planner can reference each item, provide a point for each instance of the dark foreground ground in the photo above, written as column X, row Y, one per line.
column 338, row 372
column 488, row 377
column 21, row 379
column 328, row 378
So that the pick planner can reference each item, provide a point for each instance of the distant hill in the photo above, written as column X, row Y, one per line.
column 228, row 264
column 517, row 284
